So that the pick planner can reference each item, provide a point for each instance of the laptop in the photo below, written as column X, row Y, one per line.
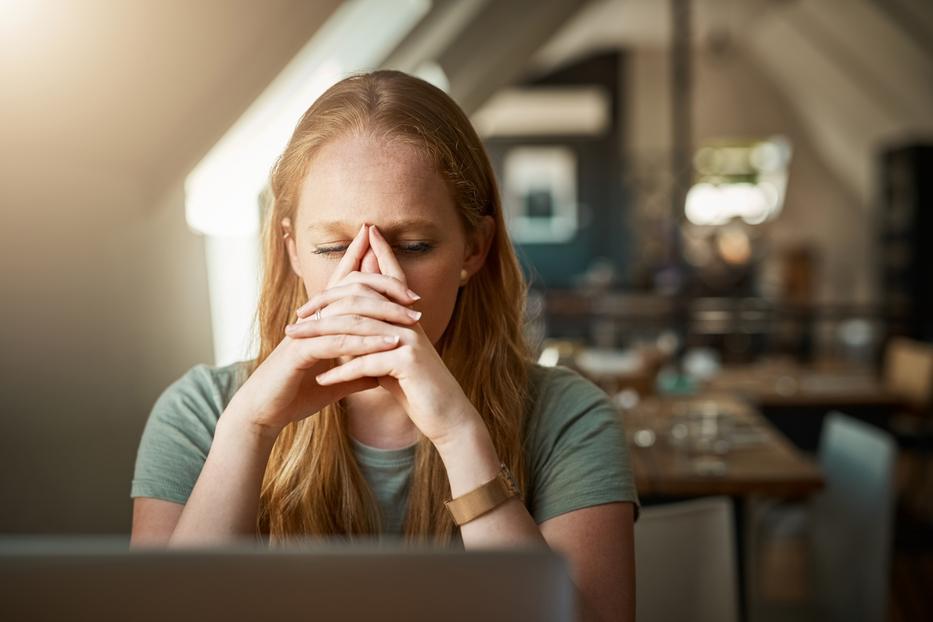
column 101, row 579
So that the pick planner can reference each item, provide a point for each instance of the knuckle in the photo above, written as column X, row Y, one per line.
column 406, row 353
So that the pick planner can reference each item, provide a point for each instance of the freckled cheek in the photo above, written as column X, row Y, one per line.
column 316, row 278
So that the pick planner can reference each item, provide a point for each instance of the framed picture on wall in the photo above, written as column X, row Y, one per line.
column 539, row 194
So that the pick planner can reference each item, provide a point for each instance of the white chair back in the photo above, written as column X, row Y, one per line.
column 851, row 521
column 685, row 562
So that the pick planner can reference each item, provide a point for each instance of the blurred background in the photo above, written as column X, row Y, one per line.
column 719, row 205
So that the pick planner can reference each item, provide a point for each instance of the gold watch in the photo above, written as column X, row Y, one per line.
column 480, row 500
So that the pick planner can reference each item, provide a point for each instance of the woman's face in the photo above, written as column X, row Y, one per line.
column 355, row 180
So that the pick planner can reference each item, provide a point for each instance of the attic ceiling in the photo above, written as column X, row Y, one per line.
column 141, row 89
column 858, row 73
column 144, row 89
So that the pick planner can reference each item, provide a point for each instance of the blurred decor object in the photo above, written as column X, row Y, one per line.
column 906, row 239
column 704, row 431
column 559, row 352
column 908, row 371
column 616, row 370
column 540, row 194
column 847, row 529
column 672, row 381
column 686, row 549
column 739, row 179
column 798, row 275
column 701, row 363
column 545, row 111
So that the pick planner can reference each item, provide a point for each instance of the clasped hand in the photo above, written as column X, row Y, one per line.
column 357, row 308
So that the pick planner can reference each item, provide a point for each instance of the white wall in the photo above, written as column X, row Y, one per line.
column 104, row 303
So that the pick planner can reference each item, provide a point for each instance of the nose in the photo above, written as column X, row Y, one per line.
column 369, row 264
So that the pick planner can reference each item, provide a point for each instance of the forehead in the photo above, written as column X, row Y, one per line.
column 363, row 179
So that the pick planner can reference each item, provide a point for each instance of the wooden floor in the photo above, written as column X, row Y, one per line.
column 911, row 587
column 912, row 570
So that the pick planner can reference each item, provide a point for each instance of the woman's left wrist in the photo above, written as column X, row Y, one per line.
column 469, row 456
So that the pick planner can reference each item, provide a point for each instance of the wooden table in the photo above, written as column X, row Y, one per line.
column 796, row 398
column 787, row 384
column 760, row 462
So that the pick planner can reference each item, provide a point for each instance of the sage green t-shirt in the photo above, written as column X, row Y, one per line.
column 575, row 447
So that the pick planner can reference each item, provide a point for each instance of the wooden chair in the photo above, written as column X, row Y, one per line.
column 908, row 374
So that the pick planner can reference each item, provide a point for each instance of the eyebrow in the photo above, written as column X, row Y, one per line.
column 399, row 226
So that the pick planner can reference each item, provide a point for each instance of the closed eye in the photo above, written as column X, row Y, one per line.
column 329, row 250
column 413, row 248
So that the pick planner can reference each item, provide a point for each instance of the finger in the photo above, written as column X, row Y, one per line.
column 388, row 264
column 372, row 365
column 334, row 346
column 378, row 308
column 340, row 390
column 348, row 325
column 369, row 263
column 351, row 257
column 359, row 283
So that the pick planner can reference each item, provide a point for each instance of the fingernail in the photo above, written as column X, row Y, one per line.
column 413, row 295
column 392, row 339
column 375, row 231
column 289, row 328
column 415, row 315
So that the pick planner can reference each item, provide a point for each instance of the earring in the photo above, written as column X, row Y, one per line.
column 464, row 277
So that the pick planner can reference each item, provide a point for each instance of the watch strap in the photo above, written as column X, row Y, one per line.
column 483, row 499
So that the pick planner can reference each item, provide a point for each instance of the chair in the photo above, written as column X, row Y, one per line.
column 685, row 562
column 847, row 527
column 908, row 374
column 851, row 521
column 908, row 371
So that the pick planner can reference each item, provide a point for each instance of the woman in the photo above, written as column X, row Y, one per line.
column 403, row 382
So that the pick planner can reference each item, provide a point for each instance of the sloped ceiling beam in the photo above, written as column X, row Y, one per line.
column 446, row 20
column 482, row 45
column 854, row 98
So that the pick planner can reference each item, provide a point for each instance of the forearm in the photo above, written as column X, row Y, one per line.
column 223, row 505
column 471, row 461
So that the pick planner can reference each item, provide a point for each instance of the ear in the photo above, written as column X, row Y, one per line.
column 288, row 236
column 478, row 245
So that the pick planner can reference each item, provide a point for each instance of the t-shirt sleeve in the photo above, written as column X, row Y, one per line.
column 579, row 457
column 177, row 437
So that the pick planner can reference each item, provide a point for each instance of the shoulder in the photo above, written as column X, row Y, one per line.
column 201, row 394
column 560, row 395
column 180, row 429
column 575, row 445
column 569, row 411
